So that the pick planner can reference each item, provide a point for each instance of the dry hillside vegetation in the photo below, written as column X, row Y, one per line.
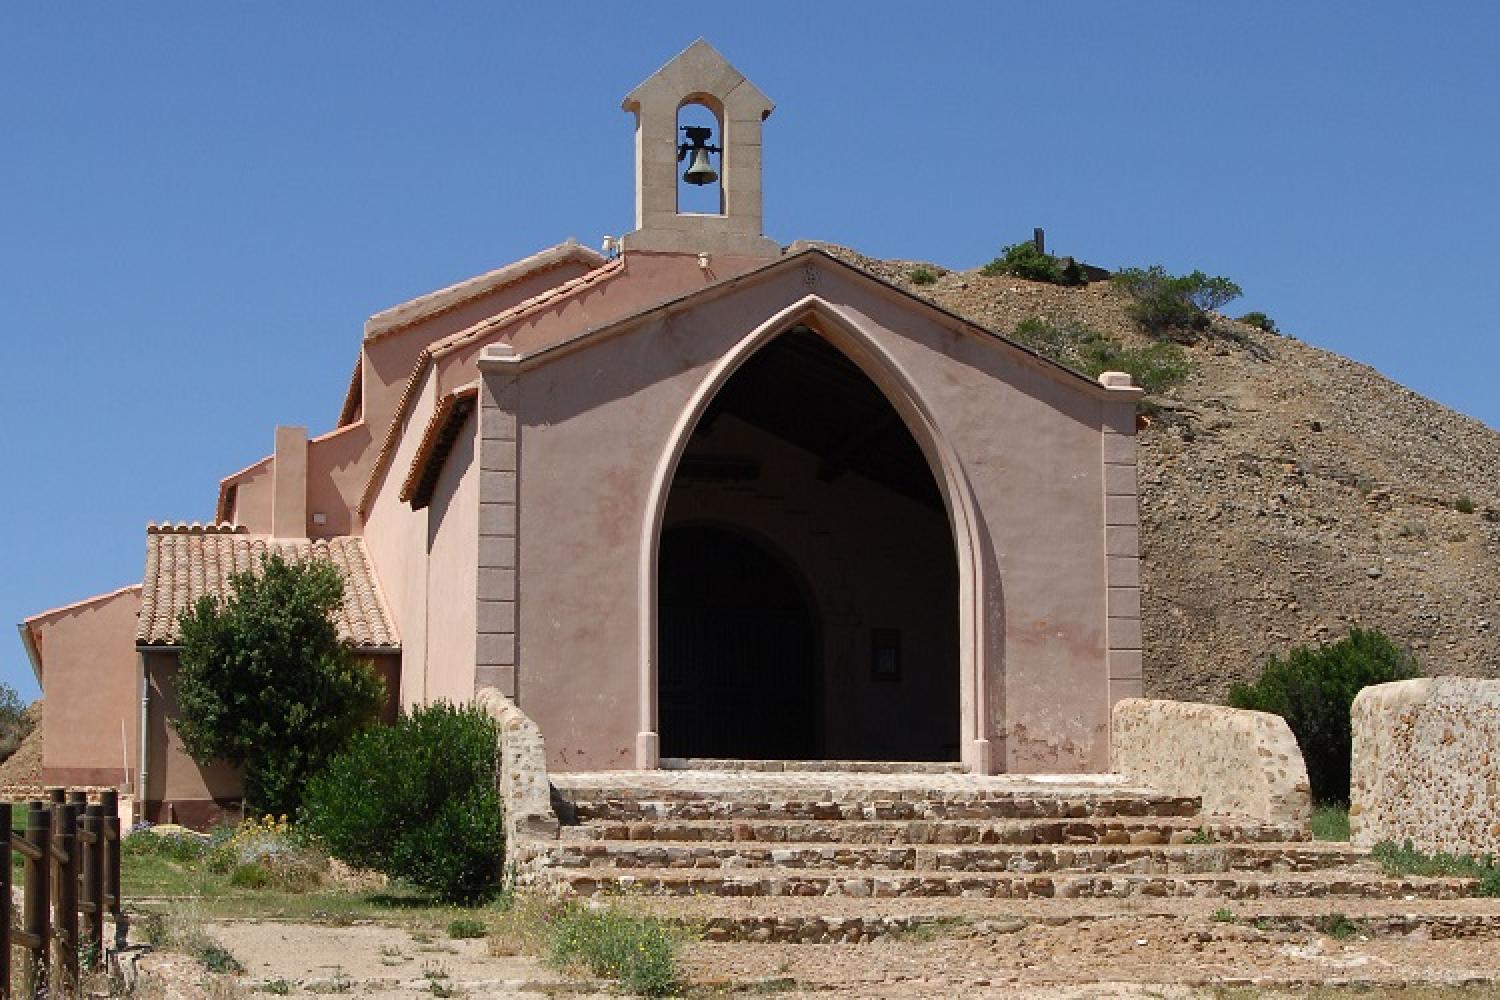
column 1287, row 494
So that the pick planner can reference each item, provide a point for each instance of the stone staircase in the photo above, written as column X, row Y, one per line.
column 830, row 852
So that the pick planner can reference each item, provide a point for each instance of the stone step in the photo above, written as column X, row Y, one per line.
column 1120, row 831
column 1092, row 860
column 820, row 920
column 767, row 882
column 805, row 766
column 625, row 803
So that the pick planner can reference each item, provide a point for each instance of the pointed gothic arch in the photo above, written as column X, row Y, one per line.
column 978, row 694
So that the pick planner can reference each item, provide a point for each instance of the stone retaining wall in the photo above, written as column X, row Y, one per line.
column 1426, row 765
column 524, row 787
column 1240, row 763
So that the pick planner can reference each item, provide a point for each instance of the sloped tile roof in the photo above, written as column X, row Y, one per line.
column 187, row 561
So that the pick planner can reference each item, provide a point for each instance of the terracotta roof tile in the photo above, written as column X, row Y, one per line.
column 187, row 561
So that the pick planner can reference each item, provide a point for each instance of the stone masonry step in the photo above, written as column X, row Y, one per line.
column 1097, row 860
column 625, row 803
column 795, row 766
column 1102, row 830
column 771, row 882
column 819, row 920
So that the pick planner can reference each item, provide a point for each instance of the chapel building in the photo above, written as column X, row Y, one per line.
column 698, row 496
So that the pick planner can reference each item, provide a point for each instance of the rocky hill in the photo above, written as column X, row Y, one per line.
column 1287, row 494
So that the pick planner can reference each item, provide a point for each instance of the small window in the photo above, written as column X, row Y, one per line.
column 885, row 655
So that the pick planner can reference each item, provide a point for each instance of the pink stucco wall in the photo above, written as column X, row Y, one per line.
column 89, row 678
column 452, row 525
column 396, row 539
column 1017, row 447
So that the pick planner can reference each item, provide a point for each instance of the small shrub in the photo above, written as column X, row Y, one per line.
column 466, row 927
column 1024, row 260
column 1464, row 504
column 922, row 275
column 1154, row 367
column 251, row 876
column 1337, row 926
column 1314, row 688
column 1331, row 822
column 1260, row 321
column 1162, row 303
column 417, row 801
column 639, row 952
column 277, row 987
column 1224, row 915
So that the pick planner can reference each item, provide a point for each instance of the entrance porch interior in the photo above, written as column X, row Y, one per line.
column 808, row 586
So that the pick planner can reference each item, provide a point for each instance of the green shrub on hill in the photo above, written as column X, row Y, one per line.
column 1162, row 303
column 1024, row 260
column 1314, row 688
column 1155, row 367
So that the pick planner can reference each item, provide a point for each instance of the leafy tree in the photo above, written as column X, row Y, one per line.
column 1314, row 689
column 1162, row 302
column 15, row 724
column 266, row 683
column 417, row 801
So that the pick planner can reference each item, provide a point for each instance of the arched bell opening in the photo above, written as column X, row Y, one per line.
column 808, row 586
column 700, row 157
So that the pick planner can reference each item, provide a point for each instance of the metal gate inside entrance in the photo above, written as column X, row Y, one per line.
column 738, row 651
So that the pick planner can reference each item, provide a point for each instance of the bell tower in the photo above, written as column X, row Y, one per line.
column 729, row 156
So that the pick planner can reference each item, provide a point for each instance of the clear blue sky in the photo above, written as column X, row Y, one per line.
column 200, row 203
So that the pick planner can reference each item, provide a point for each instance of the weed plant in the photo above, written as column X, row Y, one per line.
column 1404, row 859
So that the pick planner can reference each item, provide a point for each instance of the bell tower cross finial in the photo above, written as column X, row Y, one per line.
column 698, row 75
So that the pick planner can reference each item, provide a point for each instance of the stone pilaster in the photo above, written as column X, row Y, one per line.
column 1122, row 541
column 496, row 646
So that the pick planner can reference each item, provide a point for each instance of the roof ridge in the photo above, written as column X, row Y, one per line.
column 406, row 314
column 460, row 339
column 195, row 528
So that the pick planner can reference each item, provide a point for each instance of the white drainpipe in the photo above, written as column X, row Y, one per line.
column 143, row 749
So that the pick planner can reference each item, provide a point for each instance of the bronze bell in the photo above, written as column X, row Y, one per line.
column 700, row 171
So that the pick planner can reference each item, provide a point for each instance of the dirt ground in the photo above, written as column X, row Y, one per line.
column 365, row 960
column 1164, row 958
column 1140, row 957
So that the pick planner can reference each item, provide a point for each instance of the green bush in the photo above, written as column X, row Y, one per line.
column 417, row 801
column 1314, row 688
column 922, row 275
column 1024, row 260
column 466, row 927
column 1260, row 321
column 1161, row 302
column 1155, row 367
column 640, row 952
column 1464, row 504
column 266, row 683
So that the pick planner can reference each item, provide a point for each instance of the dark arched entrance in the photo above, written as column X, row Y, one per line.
column 802, row 488
column 740, row 671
